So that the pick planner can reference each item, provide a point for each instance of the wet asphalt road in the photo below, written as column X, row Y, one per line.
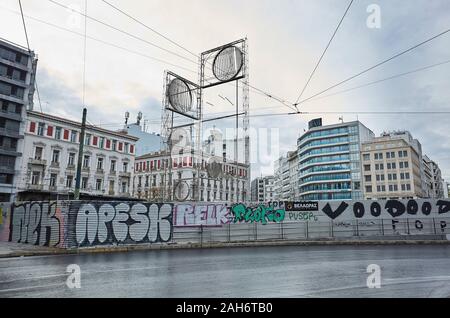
column 321, row 271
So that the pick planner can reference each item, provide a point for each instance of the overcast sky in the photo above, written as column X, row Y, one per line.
column 286, row 38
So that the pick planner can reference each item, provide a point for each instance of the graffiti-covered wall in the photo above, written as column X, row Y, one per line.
column 73, row 224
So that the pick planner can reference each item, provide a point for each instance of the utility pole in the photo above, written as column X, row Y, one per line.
column 80, row 156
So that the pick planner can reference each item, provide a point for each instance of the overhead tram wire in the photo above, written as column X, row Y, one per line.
column 323, row 54
column 29, row 51
column 377, row 65
column 262, row 92
column 122, row 31
column 149, row 28
column 101, row 41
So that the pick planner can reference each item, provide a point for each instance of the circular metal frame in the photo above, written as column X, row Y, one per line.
column 177, row 189
column 226, row 76
column 180, row 95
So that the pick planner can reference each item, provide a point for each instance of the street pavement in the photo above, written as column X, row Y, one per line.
column 316, row 271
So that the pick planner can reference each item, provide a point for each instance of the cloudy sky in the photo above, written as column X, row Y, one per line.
column 286, row 38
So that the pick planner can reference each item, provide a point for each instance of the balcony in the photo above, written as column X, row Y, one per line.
column 54, row 164
column 36, row 187
column 85, row 169
column 37, row 161
column 111, row 192
column 12, row 133
column 53, row 189
column 70, row 167
column 100, row 171
column 125, row 174
column 10, row 151
column 11, row 115
column 124, row 194
column 112, row 172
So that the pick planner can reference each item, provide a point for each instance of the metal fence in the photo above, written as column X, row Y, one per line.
column 290, row 231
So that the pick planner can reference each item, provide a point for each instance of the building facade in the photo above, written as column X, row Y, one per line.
column 183, row 177
column 329, row 165
column 435, row 186
column 50, row 158
column 262, row 189
column 17, row 73
column 393, row 167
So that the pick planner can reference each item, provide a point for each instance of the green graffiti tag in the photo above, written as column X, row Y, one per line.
column 260, row 213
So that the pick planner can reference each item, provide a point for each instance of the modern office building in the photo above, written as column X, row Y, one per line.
column 329, row 165
column 393, row 167
column 262, row 189
column 17, row 74
column 50, row 160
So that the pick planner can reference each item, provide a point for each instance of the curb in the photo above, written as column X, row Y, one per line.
column 153, row 247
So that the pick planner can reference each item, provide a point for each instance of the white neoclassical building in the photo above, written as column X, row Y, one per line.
column 50, row 158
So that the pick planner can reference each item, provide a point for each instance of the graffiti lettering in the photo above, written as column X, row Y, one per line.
column 98, row 224
column 334, row 214
column 259, row 214
column 201, row 214
column 302, row 216
column 35, row 223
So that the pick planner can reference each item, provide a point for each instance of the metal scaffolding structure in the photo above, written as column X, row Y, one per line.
column 184, row 100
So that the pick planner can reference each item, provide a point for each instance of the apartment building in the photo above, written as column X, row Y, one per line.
column 183, row 177
column 329, row 164
column 393, row 167
column 50, row 158
column 262, row 189
column 17, row 73
column 434, row 184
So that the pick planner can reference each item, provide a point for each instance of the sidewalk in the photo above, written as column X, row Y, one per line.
column 8, row 250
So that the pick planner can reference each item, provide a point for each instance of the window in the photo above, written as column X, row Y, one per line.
column 405, row 153
column 38, row 153
column 111, row 186
column 395, row 187
column 113, row 166
column 403, row 187
column 401, row 164
column 86, row 161
column 35, row 178
column 391, row 188
column 100, row 164
column 407, row 175
column 389, row 166
column 41, row 127
column 406, row 164
column 394, row 176
column 101, row 144
column 125, row 167
column 98, row 184
column 368, row 189
column 73, row 136
column 394, row 166
column 402, row 176
column 55, row 156
column 366, row 156
column 87, row 139
column 84, row 183
column 368, row 178
column 124, row 187
column 69, row 182
column 400, row 154
column 114, row 145
column 58, row 131
column 388, row 155
column 408, row 187
column 53, row 177
column 366, row 167
column 71, row 159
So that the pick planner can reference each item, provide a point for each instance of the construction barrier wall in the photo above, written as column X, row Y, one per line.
column 80, row 224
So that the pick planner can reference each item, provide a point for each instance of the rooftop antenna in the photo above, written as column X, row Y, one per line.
column 127, row 116
column 139, row 117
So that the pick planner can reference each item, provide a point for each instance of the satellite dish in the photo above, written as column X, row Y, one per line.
column 181, row 191
column 228, row 63
column 180, row 96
